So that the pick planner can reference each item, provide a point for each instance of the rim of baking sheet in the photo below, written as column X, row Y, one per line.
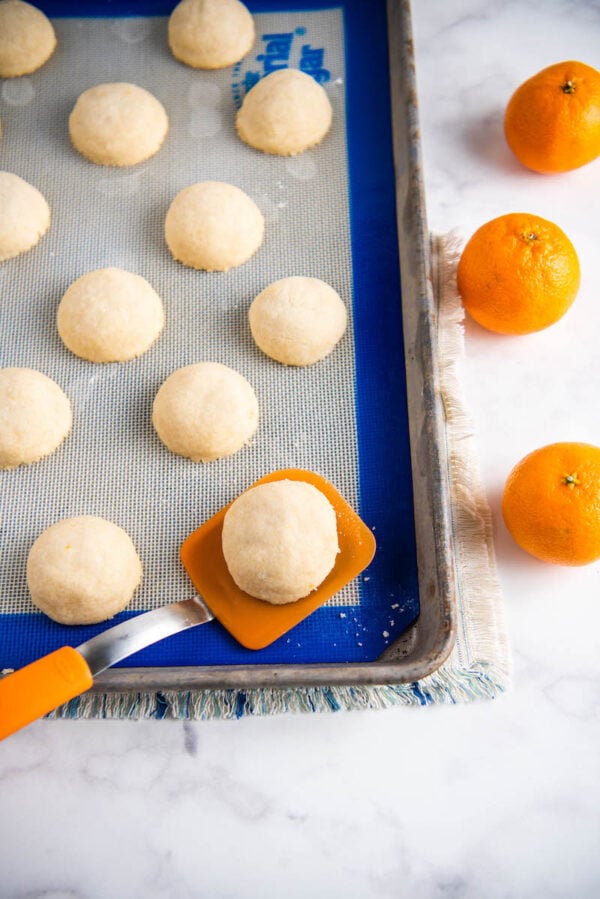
column 424, row 647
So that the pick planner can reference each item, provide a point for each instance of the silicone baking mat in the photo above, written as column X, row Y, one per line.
column 330, row 213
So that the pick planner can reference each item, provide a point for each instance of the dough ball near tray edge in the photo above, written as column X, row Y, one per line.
column 284, row 114
column 83, row 570
column 35, row 416
column 117, row 124
column 280, row 540
column 297, row 320
column 110, row 315
column 214, row 226
column 27, row 38
column 210, row 34
column 24, row 215
column 205, row 411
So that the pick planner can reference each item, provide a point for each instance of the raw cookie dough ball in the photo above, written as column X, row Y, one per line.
column 285, row 113
column 24, row 215
column 210, row 34
column 118, row 124
column 35, row 416
column 213, row 226
column 83, row 570
column 27, row 38
column 110, row 315
column 297, row 320
column 280, row 540
column 205, row 411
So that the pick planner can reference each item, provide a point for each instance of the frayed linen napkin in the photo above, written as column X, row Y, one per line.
column 479, row 667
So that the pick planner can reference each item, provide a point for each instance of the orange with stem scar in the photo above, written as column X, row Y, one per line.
column 518, row 273
column 552, row 121
column 551, row 503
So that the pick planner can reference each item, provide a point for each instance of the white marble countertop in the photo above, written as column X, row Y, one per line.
column 497, row 800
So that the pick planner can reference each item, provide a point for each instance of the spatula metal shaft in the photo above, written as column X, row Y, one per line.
column 116, row 643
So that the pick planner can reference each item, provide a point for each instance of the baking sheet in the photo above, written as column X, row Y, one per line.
column 330, row 214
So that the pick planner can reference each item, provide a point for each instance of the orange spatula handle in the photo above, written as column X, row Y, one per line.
column 41, row 687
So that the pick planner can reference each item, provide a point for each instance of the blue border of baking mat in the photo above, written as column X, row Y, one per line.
column 389, row 593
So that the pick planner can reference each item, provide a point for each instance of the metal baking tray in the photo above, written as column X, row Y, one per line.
column 426, row 643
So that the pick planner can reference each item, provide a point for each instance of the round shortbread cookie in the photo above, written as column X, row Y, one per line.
column 210, row 34
column 35, row 416
column 110, row 315
column 285, row 113
column 83, row 570
column 118, row 124
column 280, row 540
column 24, row 215
column 297, row 320
column 213, row 226
column 27, row 38
column 205, row 411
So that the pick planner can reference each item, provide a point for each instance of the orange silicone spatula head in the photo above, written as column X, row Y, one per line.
column 253, row 622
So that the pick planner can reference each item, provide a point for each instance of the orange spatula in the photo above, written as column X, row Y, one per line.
column 45, row 684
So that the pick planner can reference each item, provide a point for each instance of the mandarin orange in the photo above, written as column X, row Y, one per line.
column 551, row 503
column 552, row 121
column 518, row 273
